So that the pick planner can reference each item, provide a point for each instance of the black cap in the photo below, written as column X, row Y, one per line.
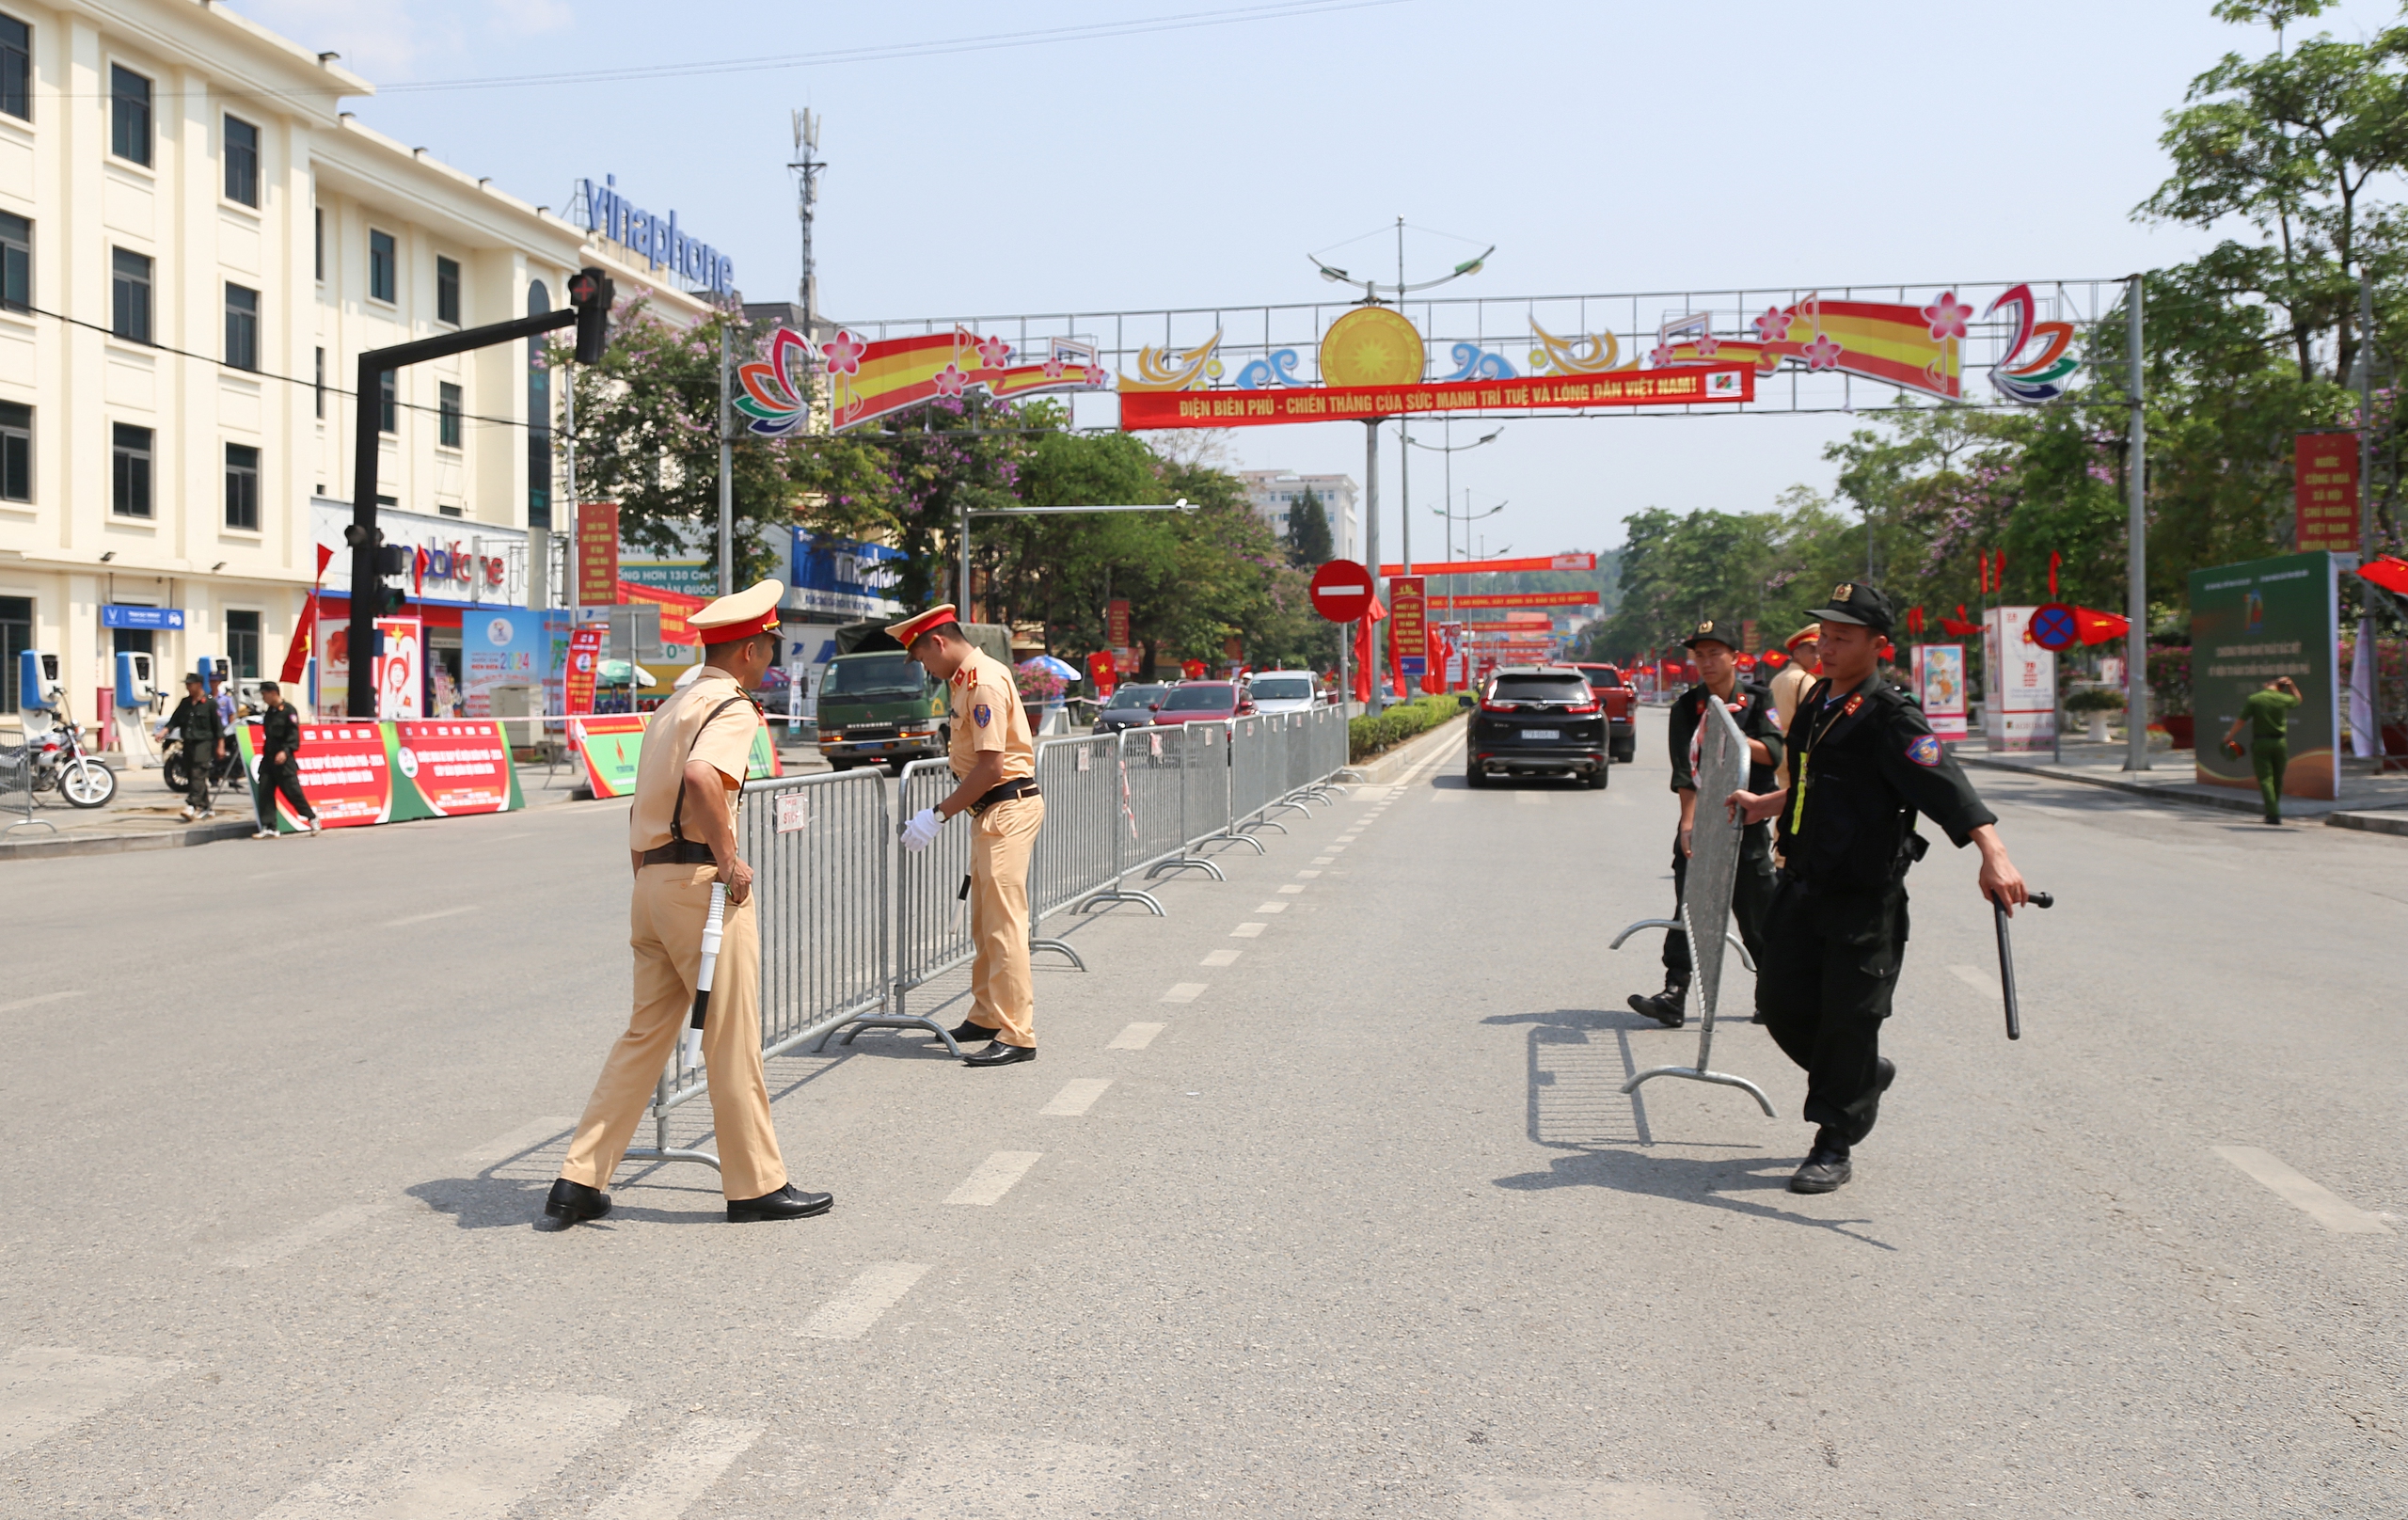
column 1852, row 601
column 1723, row 631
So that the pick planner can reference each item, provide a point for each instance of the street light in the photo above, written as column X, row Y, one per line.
column 1182, row 504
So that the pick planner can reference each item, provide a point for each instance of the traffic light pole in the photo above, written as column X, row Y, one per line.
column 359, row 699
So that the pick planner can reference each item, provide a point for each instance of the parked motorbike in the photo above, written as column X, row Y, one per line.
column 60, row 764
column 225, row 773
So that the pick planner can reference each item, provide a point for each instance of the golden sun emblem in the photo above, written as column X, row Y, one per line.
column 1372, row 345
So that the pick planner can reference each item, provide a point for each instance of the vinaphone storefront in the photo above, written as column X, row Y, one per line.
column 195, row 244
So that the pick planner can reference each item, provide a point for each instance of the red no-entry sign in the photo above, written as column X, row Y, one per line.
column 1341, row 591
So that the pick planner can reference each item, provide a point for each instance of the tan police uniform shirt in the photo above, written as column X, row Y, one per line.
column 987, row 715
column 675, row 734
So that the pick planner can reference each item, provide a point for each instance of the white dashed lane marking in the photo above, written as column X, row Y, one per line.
column 1135, row 1037
column 850, row 1314
column 1247, row 931
column 469, row 1455
column 428, row 918
column 956, row 1479
column 1076, row 1096
column 306, row 1234
column 1292, row 888
column 1306, row 876
column 1223, row 958
column 37, row 1000
column 1271, row 908
column 668, row 1485
column 45, row 1390
column 2327, row 1208
column 994, row 1177
column 1184, row 992
column 1324, row 859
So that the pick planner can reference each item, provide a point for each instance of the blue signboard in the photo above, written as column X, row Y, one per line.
column 655, row 239
column 113, row 616
column 1413, row 664
column 842, row 576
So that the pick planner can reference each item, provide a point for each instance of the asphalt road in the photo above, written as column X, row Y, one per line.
column 1341, row 1215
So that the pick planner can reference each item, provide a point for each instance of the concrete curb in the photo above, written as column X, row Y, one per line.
column 2333, row 814
column 1383, row 768
column 47, row 846
column 2373, row 823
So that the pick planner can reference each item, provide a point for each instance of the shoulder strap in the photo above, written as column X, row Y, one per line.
column 677, row 811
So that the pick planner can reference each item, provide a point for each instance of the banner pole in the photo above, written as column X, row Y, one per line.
column 1372, row 549
column 2135, row 545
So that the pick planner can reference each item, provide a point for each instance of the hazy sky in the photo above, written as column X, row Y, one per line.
column 1603, row 148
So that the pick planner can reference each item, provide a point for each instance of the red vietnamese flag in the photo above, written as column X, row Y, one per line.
column 2098, row 627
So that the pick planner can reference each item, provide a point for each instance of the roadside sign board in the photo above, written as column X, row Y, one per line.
column 1341, row 591
column 2055, row 627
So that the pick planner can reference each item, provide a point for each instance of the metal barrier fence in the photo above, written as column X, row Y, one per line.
column 17, row 788
column 817, row 846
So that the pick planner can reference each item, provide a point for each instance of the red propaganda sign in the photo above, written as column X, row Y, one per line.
column 673, row 606
column 1341, row 591
column 2325, row 466
column 1116, row 624
column 584, row 664
column 1526, row 598
column 598, row 553
column 1496, row 567
column 346, row 773
column 457, row 767
column 1685, row 386
column 1409, row 634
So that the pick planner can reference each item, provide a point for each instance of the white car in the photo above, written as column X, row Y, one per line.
column 1283, row 691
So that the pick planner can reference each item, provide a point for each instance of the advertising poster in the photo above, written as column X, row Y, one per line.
column 1408, row 633
column 1940, row 676
column 503, row 647
column 334, row 663
column 611, row 745
column 401, row 668
column 346, row 770
column 457, row 767
column 585, row 666
column 598, row 553
column 2021, row 712
column 2250, row 623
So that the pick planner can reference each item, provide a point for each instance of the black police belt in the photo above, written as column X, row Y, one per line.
column 1004, row 792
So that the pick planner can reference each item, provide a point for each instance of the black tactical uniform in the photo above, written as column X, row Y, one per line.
column 1866, row 764
column 1752, row 893
column 196, row 722
column 279, row 735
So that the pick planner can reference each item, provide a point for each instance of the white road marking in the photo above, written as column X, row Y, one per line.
column 469, row 1455
column 1306, row 876
column 1248, row 931
column 503, row 1148
column 1324, row 859
column 1222, row 957
column 37, row 1000
column 45, row 1390
column 1335, row 848
column 1183, row 992
column 1291, row 888
column 2327, row 1208
column 428, row 918
column 306, row 1234
column 994, row 1177
column 1978, row 979
column 665, row 1487
column 1024, row 1480
column 850, row 1314
column 1271, row 908
column 1135, row 1037
column 1077, row 1096
column 1532, row 799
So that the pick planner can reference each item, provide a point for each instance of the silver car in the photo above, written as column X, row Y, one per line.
column 1283, row 691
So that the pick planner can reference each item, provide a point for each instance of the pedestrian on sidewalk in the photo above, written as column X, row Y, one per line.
column 1866, row 763
column 280, row 764
column 1716, row 659
column 996, row 765
column 198, row 725
column 681, row 836
column 2267, row 714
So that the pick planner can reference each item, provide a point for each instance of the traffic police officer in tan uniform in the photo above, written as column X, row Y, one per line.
column 995, row 764
column 681, row 834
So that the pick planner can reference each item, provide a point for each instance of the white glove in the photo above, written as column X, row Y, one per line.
column 921, row 831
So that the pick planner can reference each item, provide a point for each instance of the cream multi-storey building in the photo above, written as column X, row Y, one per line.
column 196, row 244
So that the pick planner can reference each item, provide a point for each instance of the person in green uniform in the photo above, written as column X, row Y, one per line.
column 2267, row 714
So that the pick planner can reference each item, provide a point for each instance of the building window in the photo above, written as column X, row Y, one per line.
column 321, row 392
column 241, row 327
column 318, row 220
column 447, row 415
column 242, row 161
column 382, row 279
column 16, row 74
column 447, row 290
column 242, row 487
column 243, row 644
column 389, row 403
column 539, row 417
column 16, row 262
column 130, row 471
column 130, row 294
column 16, row 452
column 129, row 115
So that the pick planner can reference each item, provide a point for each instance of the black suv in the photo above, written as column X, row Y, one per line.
column 1537, row 721
column 1131, row 706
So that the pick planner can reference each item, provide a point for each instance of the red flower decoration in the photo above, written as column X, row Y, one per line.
column 994, row 353
column 843, row 352
column 1773, row 325
column 1053, row 368
column 951, row 381
column 1822, row 354
column 1947, row 316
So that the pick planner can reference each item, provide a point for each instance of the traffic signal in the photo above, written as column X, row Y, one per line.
column 590, row 291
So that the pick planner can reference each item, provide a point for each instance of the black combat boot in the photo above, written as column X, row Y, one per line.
column 1665, row 1006
column 1825, row 1168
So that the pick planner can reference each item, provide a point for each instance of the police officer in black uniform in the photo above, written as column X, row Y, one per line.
column 1714, row 649
column 1865, row 764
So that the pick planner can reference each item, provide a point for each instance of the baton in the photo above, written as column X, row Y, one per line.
column 711, row 927
column 2006, row 960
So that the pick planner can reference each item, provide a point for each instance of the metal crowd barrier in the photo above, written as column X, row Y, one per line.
column 932, row 907
column 17, row 788
column 817, row 846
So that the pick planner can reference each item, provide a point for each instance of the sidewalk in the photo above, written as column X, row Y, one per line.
column 2366, row 800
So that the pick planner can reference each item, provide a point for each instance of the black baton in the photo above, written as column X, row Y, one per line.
column 2006, row 960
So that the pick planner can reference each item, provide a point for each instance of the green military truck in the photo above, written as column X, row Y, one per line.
column 876, row 707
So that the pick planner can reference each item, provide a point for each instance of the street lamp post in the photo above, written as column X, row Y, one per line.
column 1449, row 450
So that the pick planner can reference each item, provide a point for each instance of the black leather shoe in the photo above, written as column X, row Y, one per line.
column 786, row 1203
column 1664, row 1007
column 999, row 1054
column 970, row 1031
column 1825, row 1168
column 574, row 1201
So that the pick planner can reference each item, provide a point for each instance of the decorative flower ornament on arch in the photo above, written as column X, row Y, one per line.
column 870, row 378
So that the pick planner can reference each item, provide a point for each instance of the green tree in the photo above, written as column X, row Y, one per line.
column 1310, row 544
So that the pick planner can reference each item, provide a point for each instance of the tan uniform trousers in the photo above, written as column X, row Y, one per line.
column 665, row 922
column 1003, row 996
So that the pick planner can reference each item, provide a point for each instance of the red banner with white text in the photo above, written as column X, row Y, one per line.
column 1688, row 386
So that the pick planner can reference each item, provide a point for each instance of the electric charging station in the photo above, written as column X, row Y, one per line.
column 137, row 706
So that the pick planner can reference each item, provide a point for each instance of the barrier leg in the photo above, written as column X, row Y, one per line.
column 1186, row 863
column 1701, row 1072
column 1113, row 891
column 1647, row 923
column 1058, row 946
column 660, row 1149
